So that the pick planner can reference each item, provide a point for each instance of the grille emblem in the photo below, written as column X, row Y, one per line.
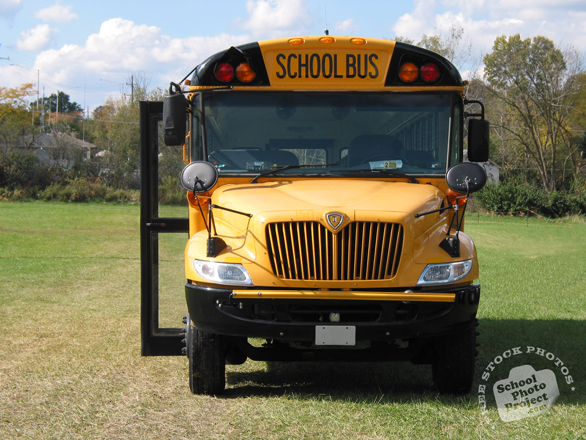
column 335, row 219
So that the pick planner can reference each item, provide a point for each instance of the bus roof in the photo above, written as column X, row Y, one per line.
column 327, row 63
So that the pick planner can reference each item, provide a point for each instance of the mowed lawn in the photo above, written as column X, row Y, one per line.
column 70, row 364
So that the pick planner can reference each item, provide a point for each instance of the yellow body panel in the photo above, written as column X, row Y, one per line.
column 309, row 200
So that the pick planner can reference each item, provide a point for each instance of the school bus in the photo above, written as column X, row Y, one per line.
column 327, row 189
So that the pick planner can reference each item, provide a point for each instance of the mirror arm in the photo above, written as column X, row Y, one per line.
column 435, row 210
column 481, row 114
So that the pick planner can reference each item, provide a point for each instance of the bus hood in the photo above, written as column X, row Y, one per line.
column 349, row 196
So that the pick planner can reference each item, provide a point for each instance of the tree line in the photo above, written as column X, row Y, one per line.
column 533, row 91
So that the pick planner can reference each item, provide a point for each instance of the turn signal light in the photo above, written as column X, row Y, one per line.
column 430, row 73
column 245, row 73
column 453, row 198
column 224, row 72
column 408, row 72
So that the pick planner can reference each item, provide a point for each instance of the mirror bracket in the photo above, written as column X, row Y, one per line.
column 463, row 178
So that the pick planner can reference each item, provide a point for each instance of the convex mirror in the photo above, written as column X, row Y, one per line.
column 199, row 176
column 466, row 177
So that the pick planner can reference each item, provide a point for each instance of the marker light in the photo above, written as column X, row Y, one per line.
column 296, row 41
column 358, row 41
column 245, row 73
column 409, row 72
column 445, row 273
column 225, row 273
column 430, row 73
column 454, row 197
column 327, row 40
column 224, row 72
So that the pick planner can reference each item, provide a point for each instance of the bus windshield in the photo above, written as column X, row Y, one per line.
column 250, row 133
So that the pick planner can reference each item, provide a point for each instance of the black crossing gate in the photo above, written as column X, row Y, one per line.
column 156, row 340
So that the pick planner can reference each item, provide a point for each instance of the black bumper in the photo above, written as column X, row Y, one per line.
column 215, row 311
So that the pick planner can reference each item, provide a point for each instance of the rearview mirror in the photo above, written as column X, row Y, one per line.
column 466, row 177
column 478, row 140
column 199, row 176
column 174, row 119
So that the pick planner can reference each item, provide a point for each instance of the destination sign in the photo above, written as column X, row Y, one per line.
column 326, row 67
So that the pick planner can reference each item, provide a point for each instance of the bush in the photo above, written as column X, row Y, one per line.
column 171, row 192
column 84, row 190
column 514, row 197
column 22, row 169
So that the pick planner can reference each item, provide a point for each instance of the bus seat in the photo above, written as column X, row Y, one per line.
column 366, row 146
column 419, row 158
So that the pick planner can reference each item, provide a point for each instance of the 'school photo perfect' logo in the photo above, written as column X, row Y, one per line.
column 521, row 391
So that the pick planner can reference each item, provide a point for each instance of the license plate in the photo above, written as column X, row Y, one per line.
column 335, row 335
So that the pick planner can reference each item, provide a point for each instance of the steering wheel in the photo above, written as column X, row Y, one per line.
column 384, row 157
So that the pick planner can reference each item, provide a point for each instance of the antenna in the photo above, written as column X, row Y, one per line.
column 326, row 31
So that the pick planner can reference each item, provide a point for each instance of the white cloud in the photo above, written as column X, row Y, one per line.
column 9, row 9
column 56, row 14
column 563, row 21
column 121, row 47
column 345, row 25
column 276, row 18
column 37, row 38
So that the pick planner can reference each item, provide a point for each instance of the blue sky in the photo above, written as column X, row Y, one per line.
column 89, row 49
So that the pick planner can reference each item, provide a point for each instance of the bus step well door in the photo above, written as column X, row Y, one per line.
column 156, row 341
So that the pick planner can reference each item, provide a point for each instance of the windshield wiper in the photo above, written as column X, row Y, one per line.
column 288, row 167
column 378, row 170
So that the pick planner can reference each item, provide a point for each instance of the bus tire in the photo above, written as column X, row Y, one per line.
column 207, row 367
column 453, row 366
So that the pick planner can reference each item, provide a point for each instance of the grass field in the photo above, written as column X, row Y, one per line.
column 70, row 364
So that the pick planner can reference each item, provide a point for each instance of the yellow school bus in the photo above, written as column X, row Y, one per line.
column 327, row 189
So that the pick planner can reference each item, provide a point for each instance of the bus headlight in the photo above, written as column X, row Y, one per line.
column 224, row 273
column 445, row 272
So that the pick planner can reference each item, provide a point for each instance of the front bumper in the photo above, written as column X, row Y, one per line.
column 223, row 311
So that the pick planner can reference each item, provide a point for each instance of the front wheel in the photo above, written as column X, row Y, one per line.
column 207, row 366
column 453, row 366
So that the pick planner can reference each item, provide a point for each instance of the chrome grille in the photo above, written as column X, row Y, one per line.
column 309, row 251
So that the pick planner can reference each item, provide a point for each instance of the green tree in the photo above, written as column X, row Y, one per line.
column 16, row 123
column 114, row 129
column 58, row 103
column 536, row 84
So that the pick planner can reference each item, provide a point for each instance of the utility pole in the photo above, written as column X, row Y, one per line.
column 131, row 89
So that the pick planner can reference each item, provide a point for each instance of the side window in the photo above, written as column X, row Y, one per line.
column 196, row 151
column 456, row 152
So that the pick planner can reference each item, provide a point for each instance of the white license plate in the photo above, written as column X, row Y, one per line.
column 335, row 335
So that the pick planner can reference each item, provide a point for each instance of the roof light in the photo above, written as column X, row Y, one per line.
column 430, row 73
column 408, row 72
column 296, row 41
column 358, row 41
column 224, row 72
column 327, row 40
column 245, row 73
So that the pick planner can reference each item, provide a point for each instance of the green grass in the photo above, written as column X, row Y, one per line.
column 70, row 364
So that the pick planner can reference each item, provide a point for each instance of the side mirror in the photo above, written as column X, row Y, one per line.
column 466, row 177
column 174, row 119
column 199, row 176
column 478, row 140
